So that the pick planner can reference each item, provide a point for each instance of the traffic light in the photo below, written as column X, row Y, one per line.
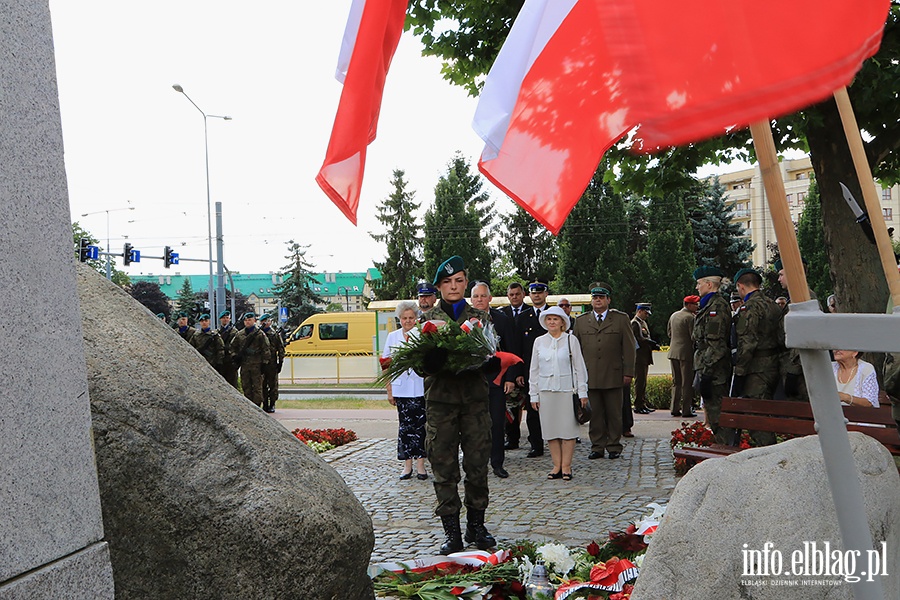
column 126, row 254
column 169, row 257
column 84, row 249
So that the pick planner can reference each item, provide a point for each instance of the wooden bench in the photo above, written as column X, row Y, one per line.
column 794, row 418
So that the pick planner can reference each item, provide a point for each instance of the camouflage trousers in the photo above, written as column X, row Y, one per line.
column 251, row 382
column 449, row 427
column 762, row 386
column 712, row 408
column 269, row 384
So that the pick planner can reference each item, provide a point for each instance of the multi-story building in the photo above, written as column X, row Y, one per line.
column 745, row 192
column 350, row 290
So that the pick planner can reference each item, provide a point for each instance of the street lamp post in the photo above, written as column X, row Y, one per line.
column 108, row 256
column 210, row 294
column 346, row 296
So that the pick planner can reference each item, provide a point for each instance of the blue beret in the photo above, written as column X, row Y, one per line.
column 250, row 315
column 452, row 265
column 224, row 313
column 203, row 317
column 265, row 317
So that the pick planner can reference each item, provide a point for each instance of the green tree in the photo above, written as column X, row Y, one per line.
column 719, row 240
column 635, row 268
column 150, row 295
column 591, row 242
column 186, row 300
column 295, row 290
column 467, row 35
column 811, row 236
column 670, row 245
column 120, row 278
column 453, row 226
column 530, row 248
column 402, row 266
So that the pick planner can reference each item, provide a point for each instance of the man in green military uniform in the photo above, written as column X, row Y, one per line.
column 250, row 350
column 759, row 331
column 712, row 355
column 226, row 330
column 272, row 368
column 643, row 358
column 183, row 328
column 791, row 369
column 208, row 343
column 457, row 415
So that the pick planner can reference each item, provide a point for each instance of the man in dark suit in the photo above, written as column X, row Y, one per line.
column 608, row 347
column 515, row 293
column 529, row 328
column 505, row 330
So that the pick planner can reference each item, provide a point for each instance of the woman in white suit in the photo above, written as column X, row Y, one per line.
column 557, row 371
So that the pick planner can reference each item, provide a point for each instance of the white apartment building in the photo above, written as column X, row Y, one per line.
column 744, row 190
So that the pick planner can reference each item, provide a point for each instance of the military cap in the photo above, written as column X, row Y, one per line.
column 744, row 271
column 425, row 289
column 692, row 299
column 182, row 314
column 224, row 313
column 265, row 317
column 160, row 315
column 250, row 315
column 452, row 265
column 707, row 271
column 538, row 285
column 204, row 317
column 600, row 291
column 780, row 265
column 643, row 306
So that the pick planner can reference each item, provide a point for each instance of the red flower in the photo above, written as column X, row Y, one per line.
column 457, row 590
column 593, row 549
column 429, row 327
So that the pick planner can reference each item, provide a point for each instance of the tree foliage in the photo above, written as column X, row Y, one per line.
column 150, row 295
column 811, row 237
column 295, row 290
column 530, row 248
column 120, row 278
column 467, row 35
column 186, row 300
column 719, row 240
column 453, row 225
column 402, row 266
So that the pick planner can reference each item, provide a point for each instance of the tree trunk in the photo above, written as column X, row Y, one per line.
column 859, row 281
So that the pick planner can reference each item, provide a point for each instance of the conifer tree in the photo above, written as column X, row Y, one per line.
column 295, row 290
column 529, row 247
column 402, row 266
column 811, row 237
column 185, row 300
column 719, row 240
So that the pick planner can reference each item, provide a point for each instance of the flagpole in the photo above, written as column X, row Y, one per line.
column 840, row 466
column 870, row 196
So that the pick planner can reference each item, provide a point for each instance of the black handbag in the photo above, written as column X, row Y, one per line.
column 582, row 413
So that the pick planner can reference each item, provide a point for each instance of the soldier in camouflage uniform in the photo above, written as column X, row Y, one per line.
column 791, row 369
column 892, row 383
column 250, row 350
column 760, row 336
column 712, row 355
column 272, row 368
column 457, row 415
column 183, row 328
column 209, row 343
column 226, row 330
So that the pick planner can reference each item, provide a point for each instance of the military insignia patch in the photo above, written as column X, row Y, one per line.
column 712, row 313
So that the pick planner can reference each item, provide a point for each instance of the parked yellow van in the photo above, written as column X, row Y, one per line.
column 337, row 332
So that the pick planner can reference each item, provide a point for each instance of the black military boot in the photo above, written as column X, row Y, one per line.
column 476, row 531
column 453, row 543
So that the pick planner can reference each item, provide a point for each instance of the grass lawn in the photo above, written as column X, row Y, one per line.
column 336, row 403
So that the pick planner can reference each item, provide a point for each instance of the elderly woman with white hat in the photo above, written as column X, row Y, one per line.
column 557, row 371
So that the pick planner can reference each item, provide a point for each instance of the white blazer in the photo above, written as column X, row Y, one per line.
column 550, row 370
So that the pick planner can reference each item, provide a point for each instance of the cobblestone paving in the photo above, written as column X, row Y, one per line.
column 603, row 495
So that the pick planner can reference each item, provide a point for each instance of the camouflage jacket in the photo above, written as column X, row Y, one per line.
column 252, row 349
column 276, row 344
column 712, row 329
column 759, row 326
column 456, row 388
column 210, row 346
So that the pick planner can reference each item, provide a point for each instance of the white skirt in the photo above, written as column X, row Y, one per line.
column 558, row 416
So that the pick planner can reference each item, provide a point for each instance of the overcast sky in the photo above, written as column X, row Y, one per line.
column 132, row 141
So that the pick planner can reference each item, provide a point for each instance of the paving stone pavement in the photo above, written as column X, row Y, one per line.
column 603, row 495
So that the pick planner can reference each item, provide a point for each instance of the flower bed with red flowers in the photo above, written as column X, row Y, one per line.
column 699, row 435
column 325, row 439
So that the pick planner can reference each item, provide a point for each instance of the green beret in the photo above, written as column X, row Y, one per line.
column 224, row 313
column 203, row 317
column 600, row 291
column 780, row 265
column 452, row 265
column 160, row 315
column 250, row 315
column 265, row 317
column 707, row 271
column 182, row 314
column 744, row 271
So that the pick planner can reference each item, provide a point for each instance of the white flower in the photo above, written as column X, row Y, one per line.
column 638, row 560
column 525, row 568
column 557, row 557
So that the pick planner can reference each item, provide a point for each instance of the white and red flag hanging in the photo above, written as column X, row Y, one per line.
column 575, row 75
column 370, row 40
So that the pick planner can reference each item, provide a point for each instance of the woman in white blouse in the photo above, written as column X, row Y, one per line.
column 856, row 380
column 557, row 371
column 407, row 393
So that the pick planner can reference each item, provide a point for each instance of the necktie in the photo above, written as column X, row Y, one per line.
column 537, row 312
column 515, row 312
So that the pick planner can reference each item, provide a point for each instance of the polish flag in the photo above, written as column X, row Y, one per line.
column 370, row 40
column 575, row 75
column 550, row 107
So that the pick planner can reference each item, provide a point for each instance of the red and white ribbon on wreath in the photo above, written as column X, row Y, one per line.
column 610, row 576
column 474, row 558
